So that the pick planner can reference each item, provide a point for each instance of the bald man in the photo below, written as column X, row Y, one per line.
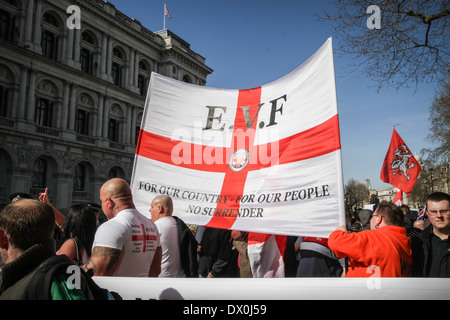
column 161, row 212
column 127, row 245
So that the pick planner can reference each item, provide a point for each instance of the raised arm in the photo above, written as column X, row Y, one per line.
column 59, row 217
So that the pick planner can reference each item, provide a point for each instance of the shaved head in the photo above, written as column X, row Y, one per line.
column 161, row 206
column 165, row 202
column 115, row 195
column 116, row 189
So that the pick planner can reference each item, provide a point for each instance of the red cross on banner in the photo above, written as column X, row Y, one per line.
column 264, row 160
column 306, row 144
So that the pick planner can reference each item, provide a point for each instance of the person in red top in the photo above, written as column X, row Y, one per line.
column 384, row 250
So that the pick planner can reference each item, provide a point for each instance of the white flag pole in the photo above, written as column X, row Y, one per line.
column 164, row 25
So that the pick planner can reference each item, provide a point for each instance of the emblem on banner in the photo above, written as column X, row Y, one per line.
column 401, row 160
column 239, row 160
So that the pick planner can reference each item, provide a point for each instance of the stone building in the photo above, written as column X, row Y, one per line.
column 71, row 100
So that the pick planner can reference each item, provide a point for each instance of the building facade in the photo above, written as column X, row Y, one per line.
column 71, row 99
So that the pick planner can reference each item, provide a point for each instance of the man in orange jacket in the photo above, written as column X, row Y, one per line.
column 384, row 249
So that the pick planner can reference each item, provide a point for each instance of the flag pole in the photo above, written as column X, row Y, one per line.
column 164, row 14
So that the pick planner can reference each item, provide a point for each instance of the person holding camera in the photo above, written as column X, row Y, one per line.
column 384, row 249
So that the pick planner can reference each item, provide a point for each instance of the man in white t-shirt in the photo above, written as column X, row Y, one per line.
column 127, row 245
column 161, row 212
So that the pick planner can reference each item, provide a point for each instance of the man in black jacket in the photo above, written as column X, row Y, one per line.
column 431, row 249
column 216, row 254
column 32, row 270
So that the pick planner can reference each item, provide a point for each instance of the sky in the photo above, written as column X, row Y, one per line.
column 250, row 43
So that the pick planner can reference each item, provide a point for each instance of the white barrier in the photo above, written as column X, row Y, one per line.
column 278, row 289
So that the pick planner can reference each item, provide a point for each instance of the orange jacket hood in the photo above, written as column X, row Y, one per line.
column 386, row 250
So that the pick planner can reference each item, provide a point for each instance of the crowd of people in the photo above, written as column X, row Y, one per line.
column 389, row 242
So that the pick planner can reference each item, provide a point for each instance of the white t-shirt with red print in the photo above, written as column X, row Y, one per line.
column 134, row 234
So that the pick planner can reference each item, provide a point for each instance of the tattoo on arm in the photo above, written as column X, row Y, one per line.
column 90, row 266
column 114, row 257
column 109, row 255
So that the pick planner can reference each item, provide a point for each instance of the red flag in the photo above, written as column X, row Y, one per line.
column 400, row 168
column 398, row 200
column 167, row 13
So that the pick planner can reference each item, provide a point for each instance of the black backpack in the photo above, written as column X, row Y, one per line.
column 41, row 282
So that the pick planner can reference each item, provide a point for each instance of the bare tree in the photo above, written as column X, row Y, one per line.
column 440, row 125
column 355, row 194
column 411, row 46
column 432, row 178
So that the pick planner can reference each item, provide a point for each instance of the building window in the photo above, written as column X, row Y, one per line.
column 118, row 62
column 141, row 84
column 187, row 79
column 79, row 178
column 48, row 45
column 136, row 134
column 43, row 112
column 39, row 173
column 5, row 20
column 88, row 47
column 113, row 130
column 113, row 173
column 116, row 74
column 82, row 122
column 50, row 19
column 86, row 61
column 3, row 102
column 143, row 76
column 49, row 40
column 87, row 37
column 118, row 53
column 116, row 172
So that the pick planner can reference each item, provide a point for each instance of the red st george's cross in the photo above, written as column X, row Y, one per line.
column 316, row 141
column 143, row 237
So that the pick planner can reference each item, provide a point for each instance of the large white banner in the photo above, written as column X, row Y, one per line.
column 264, row 160
column 233, row 289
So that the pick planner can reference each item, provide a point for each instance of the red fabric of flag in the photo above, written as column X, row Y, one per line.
column 167, row 13
column 398, row 200
column 400, row 168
